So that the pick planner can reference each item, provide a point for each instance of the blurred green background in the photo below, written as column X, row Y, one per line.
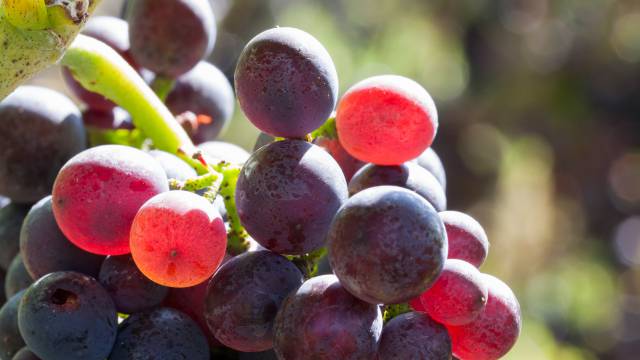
column 539, row 105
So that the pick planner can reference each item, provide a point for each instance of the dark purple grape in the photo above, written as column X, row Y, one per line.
column 286, row 82
column 431, row 161
column 11, row 217
column 40, row 130
column 220, row 150
column 45, row 249
column 10, row 339
column 262, row 140
column 66, row 316
column 170, row 37
column 113, row 32
column 25, row 354
column 162, row 333
column 321, row 320
column 130, row 290
column 173, row 166
column 408, row 175
column 17, row 277
column 414, row 336
column 4, row 201
column 263, row 355
column 113, row 119
column 206, row 92
column 348, row 163
column 287, row 195
column 387, row 245
column 244, row 296
column 3, row 297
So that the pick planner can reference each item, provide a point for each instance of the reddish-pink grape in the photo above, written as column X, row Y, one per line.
column 458, row 296
column 98, row 193
column 467, row 239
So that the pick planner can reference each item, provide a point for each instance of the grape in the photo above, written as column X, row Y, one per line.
column 458, row 296
column 130, row 290
column 414, row 336
column 263, row 355
column 40, row 129
column 113, row 119
column 45, row 249
column 286, row 82
column 206, row 92
column 348, row 163
column 408, row 175
column 467, row 239
column 321, row 320
column 416, row 305
column 387, row 245
column 25, row 354
column 99, row 191
column 287, row 195
column 169, row 37
column 178, row 239
column 3, row 297
column 262, row 140
column 17, row 277
column 173, row 166
column 113, row 32
column 386, row 120
column 244, row 296
column 11, row 217
column 10, row 339
column 431, row 161
column 220, row 150
column 494, row 332
column 160, row 334
column 67, row 316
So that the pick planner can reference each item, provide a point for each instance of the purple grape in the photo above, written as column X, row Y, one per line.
column 25, row 354
column 169, row 37
column 244, row 296
column 173, row 166
column 113, row 119
column 162, row 333
column 17, row 277
column 408, row 175
column 321, row 320
column 348, row 163
column 10, row 338
column 286, row 82
column 431, row 161
column 3, row 297
column 130, row 290
column 387, row 245
column 68, row 316
column 11, row 217
column 414, row 336
column 41, row 129
column 206, row 92
column 287, row 195
column 220, row 150
column 45, row 249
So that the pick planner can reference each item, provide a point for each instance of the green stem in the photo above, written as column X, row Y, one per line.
column 162, row 86
column 237, row 237
column 308, row 263
column 328, row 130
column 391, row 311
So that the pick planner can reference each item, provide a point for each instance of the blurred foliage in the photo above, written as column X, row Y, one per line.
column 539, row 105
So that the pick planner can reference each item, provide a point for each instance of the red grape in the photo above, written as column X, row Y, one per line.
column 348, row 163
column 98, row 193
column 494, row 332
column 386, row 120
column 416, row 304
column 467, row 239
column 178, row 239
column 458, row 296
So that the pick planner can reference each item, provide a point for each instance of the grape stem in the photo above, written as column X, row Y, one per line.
column 391, row 311
column 162, row 86
column 308, row 263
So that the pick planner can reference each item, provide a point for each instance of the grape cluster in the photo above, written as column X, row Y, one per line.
column 331, row 240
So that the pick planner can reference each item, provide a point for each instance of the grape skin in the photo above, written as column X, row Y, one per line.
column 408, row 175
column 387, row 245
column 170, row 37
column 414, row 335
column 178, row 239
column 45, row 249
column 173, row 166
column 467, row 239
column 11, row 218
column 113, row 119
column 348, row 163
column 458, row 296
column 17, row 277
column 286, row 82
column 287, row 195
column 25, row 354
column 40, row 129
column 386, row 120
column 244, row 296
column 220, row 150
column 68, row 316
column 430, row 160
column 11, row 340
column 494, row 332
column 321, row 320
column 98, row 193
